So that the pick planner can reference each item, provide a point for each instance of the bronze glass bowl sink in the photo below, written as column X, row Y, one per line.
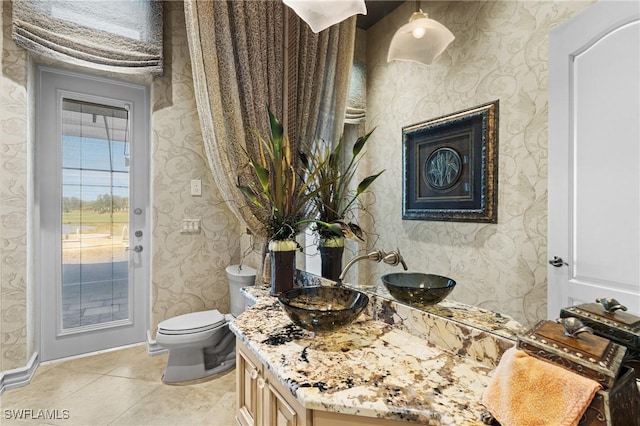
column 322, row 309
column 418, row 288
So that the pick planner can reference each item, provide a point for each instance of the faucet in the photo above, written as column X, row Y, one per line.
column 394, row 258
column 377, row 255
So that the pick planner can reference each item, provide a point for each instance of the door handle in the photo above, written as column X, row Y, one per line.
column 557, row 262
column 137, row 249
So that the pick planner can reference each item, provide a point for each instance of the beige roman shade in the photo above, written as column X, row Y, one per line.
column 116, row 36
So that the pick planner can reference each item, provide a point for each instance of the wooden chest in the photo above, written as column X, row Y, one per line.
column 614, row 324
column 592, row 356
column 618, row 403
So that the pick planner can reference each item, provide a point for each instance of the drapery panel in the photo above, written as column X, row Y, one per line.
column 249, row 54
column 321, row 85
column 118, row 36
column 237, row 54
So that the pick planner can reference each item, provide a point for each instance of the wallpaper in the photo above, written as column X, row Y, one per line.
column 13, row 200
column 187, row 270
column 500, row 53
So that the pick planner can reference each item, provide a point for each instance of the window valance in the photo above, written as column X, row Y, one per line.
column 120, row 35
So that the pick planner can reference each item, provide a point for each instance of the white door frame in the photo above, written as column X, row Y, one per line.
column 51, row 85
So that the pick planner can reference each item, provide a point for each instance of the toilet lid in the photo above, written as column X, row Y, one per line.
column 191, row 323
column 245, row 272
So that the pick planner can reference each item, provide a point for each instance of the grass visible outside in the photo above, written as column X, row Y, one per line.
column 107, row 246
column 92, row 222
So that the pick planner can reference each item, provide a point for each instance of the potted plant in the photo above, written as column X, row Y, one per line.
column 334, row 199
column 282, row 194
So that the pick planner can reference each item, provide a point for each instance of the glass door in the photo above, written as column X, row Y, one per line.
column 92, row 172
column 95, row 214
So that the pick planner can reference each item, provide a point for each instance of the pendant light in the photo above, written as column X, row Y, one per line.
column 321, row 14
column 421, row 40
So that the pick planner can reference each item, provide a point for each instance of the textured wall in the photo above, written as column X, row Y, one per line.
column 188, row 270
column 500, row 52
column 13, row 200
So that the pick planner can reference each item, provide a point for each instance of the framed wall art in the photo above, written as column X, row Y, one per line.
column 450, row 167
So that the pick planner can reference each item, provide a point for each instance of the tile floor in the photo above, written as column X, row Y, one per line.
column 120, row 387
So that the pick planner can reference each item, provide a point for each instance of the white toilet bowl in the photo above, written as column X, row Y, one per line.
column 200, row 344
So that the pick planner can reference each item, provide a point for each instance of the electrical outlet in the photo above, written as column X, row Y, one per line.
column 190, row 226
column 196, row 187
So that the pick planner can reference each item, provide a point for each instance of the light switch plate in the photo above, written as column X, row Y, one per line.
column 196, row 187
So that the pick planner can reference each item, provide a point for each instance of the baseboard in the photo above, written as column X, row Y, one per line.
column 153, row 348
column 18, row 377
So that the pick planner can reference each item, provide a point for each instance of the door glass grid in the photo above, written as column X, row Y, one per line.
column 95, row 214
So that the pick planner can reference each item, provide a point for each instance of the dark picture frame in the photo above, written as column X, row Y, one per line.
column 450, row 167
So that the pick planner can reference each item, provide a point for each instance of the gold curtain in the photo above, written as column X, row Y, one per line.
column 246, row 55
column 320, row 85
column 237, row 52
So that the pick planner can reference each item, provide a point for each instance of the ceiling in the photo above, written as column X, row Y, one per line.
column 376, row 10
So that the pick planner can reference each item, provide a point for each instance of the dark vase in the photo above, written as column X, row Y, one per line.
column 331, row 258
column 283, row 266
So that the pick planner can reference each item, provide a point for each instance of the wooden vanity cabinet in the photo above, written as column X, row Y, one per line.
column 261, row 399
column 248, row 370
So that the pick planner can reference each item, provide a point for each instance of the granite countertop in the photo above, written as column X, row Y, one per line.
column 484, row 319
column 369, row 368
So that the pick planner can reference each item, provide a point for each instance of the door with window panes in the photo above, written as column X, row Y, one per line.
column 92, row 183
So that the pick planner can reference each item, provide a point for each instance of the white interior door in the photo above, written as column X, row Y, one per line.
column 594, row 158
column 92, row 184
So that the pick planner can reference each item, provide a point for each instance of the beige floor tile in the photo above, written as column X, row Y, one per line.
column 218, row 384
column 150, row 368
column 225, row 410
column 46, row 367
column 107, row 361
column 47, row 389
column 205, row 403
column 102, row 401
column 122, row 388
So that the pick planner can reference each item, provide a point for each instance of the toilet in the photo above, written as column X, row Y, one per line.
column 200, row 344
column 239, row 276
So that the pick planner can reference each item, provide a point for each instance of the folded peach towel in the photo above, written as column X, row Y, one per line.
column 526, row 391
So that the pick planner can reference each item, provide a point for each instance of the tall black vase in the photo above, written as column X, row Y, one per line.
column 331, row 258
column 283, row 266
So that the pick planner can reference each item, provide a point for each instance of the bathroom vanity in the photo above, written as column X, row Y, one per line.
column 393, row 365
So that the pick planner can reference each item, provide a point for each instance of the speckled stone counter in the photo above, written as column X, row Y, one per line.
column 376, row 368
column 461, row 329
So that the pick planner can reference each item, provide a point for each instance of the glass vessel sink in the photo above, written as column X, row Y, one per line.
column 322, row 309
column 416, row 288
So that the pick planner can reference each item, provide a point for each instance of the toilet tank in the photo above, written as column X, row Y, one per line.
column 239, row 276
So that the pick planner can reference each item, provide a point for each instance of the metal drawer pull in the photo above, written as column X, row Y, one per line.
column 611, row 305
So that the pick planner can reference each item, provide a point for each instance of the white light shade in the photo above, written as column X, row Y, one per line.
column 321, row 14
column 421, row 40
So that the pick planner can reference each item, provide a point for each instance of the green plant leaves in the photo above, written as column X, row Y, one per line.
column 276, row 127
column 366, row 182
column 251, row 196
column 262, row 174
column 359, row 145
column 287, row 186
